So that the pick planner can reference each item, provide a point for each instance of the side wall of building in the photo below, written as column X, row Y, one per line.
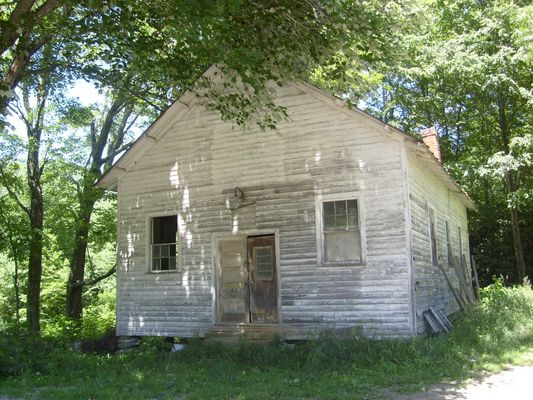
column 192, row 171
column 431, row 286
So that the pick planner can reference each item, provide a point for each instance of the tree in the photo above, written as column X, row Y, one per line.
column 26, row 26
column 13, row 234
column 32, row 107
column 107, row 138
column 156, row 50
column 33, row 117
column 468, row 70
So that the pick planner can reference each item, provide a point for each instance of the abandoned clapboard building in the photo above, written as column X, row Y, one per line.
column 334, row 220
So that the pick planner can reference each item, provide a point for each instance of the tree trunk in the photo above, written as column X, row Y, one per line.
column 17, row 289
column 77, row 262
column 16, row 32
column 14, row 251
column 511, row 186
column 88, row 197
column 15, row 276
column 517, row 237
column 36, row 215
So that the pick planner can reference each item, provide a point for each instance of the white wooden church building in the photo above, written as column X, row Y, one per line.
column 335, row 220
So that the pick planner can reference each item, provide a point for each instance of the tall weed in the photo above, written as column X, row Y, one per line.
column 500, row 321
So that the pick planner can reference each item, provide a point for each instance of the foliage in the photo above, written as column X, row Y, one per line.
column 467, row 69
column 507, row 311
column 156, row 50
column 60, row 193
column 21, row 353
column 490, row 334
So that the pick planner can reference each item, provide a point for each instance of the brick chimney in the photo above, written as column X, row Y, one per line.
column 430, row 137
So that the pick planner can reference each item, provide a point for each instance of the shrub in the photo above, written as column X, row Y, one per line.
column 21, row 353
column 499, row 322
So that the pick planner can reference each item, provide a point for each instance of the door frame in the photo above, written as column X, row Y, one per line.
column 217, row 273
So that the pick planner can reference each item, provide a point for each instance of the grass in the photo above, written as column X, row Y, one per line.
column 493, row 333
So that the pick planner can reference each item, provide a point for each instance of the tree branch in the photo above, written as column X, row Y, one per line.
column 94, row 281
column 109, row 158
column 45, row 9
column 17, row 200
column 9, row 33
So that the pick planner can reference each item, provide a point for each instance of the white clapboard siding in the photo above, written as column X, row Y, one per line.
column 431, row 288
column 322, row 149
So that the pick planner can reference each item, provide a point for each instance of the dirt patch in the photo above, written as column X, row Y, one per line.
column 515, row 383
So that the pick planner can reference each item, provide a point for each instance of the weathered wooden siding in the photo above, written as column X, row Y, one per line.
column 192, row 171
column 425, row 192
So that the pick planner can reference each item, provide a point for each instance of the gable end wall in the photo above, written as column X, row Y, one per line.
column 192, row 171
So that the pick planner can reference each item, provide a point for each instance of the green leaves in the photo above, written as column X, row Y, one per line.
column 466, row 68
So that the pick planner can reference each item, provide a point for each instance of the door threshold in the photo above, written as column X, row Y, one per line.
column 247, row 323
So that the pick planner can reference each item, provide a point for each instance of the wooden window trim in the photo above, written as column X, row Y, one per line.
column 320, row 199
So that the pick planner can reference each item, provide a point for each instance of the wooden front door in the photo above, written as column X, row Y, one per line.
column 262, row 282
column 232, row 291
column 248, row 280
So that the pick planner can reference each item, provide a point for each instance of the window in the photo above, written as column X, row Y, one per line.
column 460, row 239
column 263, row 263
column 340, row 236
column 448, row 242
column 163, row 247
column 433, row 237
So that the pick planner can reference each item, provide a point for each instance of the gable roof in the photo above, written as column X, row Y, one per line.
column 176, row 110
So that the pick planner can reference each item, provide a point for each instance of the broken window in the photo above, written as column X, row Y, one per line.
column 341, row 231
column 164, row 245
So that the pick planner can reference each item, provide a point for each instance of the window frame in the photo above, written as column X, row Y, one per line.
column 449, row 244
column 433, row 233
column 320, row 199
column 256, row 277
column 149, row 242
column 460, row 242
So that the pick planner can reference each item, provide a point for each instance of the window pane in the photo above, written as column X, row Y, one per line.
column 172, row 248
column 164, row 251
column 263, row 262
column 165, row 229
column 329, row 221
column 341, row 221
column 342, row 246
column 353, row 220
column 172, row 263
column 340, row 207
column 164, row 264
column 156, row 266
column 352, row 207
column 329, row 209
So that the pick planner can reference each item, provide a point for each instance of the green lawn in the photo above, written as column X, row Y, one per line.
column 496, row 332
